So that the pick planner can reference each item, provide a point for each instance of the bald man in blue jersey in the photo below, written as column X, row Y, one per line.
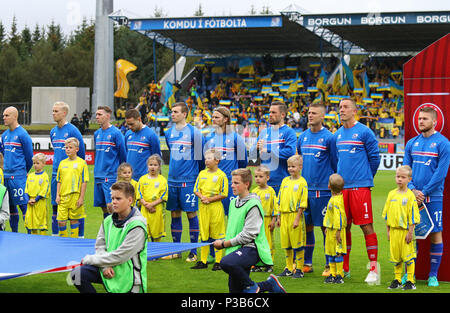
column 17, row 150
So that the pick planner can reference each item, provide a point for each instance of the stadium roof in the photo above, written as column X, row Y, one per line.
column 291, row 32
column 275, row 34
column 385, row 32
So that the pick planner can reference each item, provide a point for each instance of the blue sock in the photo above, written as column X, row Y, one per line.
column 436, row 250
column 55, row 229
column 309, row 248
column 193, row 231
column 14, row 222
column 177, row 228
column 81, row 228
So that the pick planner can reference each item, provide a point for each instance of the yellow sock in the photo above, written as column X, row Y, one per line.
column 156, row 239
column 204, row 251
column 43, row 232
column 340, row 268
column 333, row 269
column 63, row 232
column 219, row 255
column 34, row 231
column 289, row 259
column 398, row 271
column 410, row 269
column 300, row 259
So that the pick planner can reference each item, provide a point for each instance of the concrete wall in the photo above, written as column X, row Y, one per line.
column 43, row 98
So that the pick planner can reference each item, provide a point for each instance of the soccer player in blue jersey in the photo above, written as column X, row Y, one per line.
column 17, row 150
column 428, row 154
column 109, row 154
column 230, row 144
column 58, row 135
column 185, row 144
column 319, row 161
column 140, row 142
column 276, row 144
column 358, row 160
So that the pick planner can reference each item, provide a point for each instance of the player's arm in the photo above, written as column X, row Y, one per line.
column 58, row 190
column 120, row 144
column 373, row 153
column 241, row 152
column 81, row 150
column 82, row 193
column 290, row 145
column 27, row 146
column 154, row 144
column 407, row 160
column 440, row 173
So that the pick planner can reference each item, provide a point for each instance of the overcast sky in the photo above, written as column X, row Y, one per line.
column 69, row 13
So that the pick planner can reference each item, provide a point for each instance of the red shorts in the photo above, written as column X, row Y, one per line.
column 358, row 205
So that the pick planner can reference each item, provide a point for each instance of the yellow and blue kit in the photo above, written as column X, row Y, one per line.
column 151, row 189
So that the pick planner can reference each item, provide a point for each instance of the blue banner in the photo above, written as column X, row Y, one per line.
column 206, row 23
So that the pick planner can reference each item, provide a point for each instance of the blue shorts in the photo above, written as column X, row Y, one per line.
column 317, row 207
column 181, row 197
column 435, row 209
column 16, row 189
column 227, row 200
column 102, row 191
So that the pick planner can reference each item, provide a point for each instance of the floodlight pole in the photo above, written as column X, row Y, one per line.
column 103, row 93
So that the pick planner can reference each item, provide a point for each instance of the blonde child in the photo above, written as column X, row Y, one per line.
column 268, row 198
column 334, row 222
column 401, row 213
column 152, row 189
column 292, row 201
column 71, row 178
column 125, row 173
column 211, row 188
column 37, row 190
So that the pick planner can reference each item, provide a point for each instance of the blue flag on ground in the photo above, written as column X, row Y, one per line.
column 23, row 254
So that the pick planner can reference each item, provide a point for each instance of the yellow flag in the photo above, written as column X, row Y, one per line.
column 123, row 67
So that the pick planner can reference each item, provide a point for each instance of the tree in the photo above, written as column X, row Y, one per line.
column 199, row 11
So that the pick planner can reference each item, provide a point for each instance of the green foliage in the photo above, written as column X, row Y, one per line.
column 45, row 56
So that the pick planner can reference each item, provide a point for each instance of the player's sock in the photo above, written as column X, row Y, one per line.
column 410, row 269
column 204, row 252
column 372, row 250
column 348, row 237
column 212, row 251
column 436, row 250
column 34, row 231
column 74, row 230
column 289, row 259
column 177, row 228
column 81, row 228
column 333, row 268
column 339, row 263
column 327, row 257
column 42, row 232
column 55, row 229
column 63, row 231
column 300, row 258
column 398, row 271
column 14, row 222
column 219, row 255
column 193, row 231
column 309, row 248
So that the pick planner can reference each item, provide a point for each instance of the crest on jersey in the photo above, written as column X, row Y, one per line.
column 440, row 121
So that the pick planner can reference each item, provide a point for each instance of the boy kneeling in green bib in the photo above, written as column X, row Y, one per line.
column 245, row 240
column 120, row 259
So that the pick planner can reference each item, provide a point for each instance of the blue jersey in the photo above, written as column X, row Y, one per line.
column 358, row 155
column 57, row 136
column 429, row 159
column 319, row 157
column 280, row 144
column 109, row 152
column 140, row 146
column 232, row 147
column 186, row 154
column 17, row 150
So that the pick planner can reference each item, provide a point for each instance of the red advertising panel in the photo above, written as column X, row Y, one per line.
column 426, row 79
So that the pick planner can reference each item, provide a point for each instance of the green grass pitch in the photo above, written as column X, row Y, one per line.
column 164, row 276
